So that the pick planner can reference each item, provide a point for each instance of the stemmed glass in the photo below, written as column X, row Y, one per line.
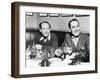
column 45, row 61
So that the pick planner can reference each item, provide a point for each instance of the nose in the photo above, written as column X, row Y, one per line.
column 77, row 28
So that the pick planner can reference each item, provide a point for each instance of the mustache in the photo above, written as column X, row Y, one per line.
column 77, row 31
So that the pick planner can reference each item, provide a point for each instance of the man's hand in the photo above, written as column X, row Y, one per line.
column 67, row 50
column 58, row 52
column 73, row 55
column 38, row 46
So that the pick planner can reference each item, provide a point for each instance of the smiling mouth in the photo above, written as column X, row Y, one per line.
column 77, row 31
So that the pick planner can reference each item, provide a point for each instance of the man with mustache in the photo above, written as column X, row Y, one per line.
column 76, row 43
column 48, row 41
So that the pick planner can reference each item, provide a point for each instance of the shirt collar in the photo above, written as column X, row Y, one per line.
column 74, row 37
column 42, row 38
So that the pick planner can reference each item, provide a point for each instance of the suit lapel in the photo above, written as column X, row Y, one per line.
column 79, row 42
column 72, row 44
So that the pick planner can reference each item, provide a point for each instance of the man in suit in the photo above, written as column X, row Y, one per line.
column 47, row 38
column 76, row 43
column 48, row 41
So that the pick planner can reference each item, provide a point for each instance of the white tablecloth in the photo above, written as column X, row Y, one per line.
column 54, row 62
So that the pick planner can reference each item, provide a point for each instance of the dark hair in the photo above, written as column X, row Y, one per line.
column 69, row 24
column 40, row 25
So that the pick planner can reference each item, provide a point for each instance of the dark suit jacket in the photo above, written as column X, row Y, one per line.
column 53, row 42
column 82, row 45
column 49, row 45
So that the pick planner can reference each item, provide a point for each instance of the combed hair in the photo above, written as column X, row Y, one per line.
column 40, row 25
column 69, row 24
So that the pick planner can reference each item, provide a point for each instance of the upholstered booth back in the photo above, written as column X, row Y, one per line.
column 31, row 35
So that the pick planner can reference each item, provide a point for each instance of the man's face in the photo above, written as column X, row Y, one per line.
column 45, row 29
column 75, row 28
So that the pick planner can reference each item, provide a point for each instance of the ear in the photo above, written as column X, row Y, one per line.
column 70, row 29
column 40, row 30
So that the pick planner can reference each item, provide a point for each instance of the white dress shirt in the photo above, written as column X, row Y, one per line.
column 45, row 40
column 75, row 40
